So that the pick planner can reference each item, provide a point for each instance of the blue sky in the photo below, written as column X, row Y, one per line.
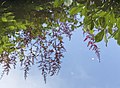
column 78, row 69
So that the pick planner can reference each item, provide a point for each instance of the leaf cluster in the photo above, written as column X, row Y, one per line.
column 32, row 33
column 100, row 18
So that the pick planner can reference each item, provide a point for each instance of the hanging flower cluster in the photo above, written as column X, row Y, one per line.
column 92, row 46
column 44, row 49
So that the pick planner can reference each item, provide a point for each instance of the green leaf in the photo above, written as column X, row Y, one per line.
column 118, row 37
column 75, row 10
column 11, row 18
column 110, row 31
column 23, row 27
column 118, row 42
column 4, row 19
column 11, row 27
column 107, row 19
column 1, row 50
column 84, row 11
column 9, row 44
column 118, row 23
column 57, row 3
column 99, row 36
column 115, row 34
column 5, row 39
column 112, row 18
column 92, row 25
column 91, row 31
column 87, row 21
column 7, row 14
column 102, row 14
column 38, row 8
column 102, row 22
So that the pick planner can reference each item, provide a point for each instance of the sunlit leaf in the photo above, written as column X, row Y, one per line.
column 101, row 14
column 4, row 19
column 75, row 10
column 11, row 27
column 38, row 8
column 99, row 36
column 8, row 14
column 57, row 3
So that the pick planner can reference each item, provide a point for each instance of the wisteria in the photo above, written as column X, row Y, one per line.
column 91, row 44
column 45, row 49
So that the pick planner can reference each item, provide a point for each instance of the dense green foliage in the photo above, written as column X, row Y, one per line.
column 32, row 31
column 102, row 16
